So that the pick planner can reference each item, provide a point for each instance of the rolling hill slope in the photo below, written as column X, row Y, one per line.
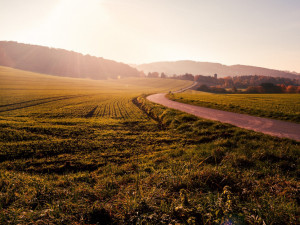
column 61, row 62
column 81, row 151
column 207, row 68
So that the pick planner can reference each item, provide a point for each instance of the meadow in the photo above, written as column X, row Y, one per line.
column 76, row 151
column 276, row 106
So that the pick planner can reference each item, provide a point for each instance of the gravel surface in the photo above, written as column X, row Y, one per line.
column 267, row 126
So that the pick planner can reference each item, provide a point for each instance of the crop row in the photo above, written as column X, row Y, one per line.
column 90, row 106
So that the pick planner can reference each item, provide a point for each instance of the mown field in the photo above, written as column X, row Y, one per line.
column 276, row 106
column 97, row 152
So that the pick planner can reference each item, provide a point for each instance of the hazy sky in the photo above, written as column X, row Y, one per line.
column 253, row 32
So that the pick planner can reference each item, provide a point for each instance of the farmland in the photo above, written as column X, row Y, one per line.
column 76, row 151
column 276, row 106
column 30, row 94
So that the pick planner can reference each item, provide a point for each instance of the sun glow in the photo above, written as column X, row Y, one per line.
column 143, row 31
column 70, row 21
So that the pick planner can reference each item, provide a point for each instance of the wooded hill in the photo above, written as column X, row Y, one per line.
column 61, row 62
column 209, row 69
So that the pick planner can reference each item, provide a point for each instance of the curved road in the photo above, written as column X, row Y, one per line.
column 268, row 126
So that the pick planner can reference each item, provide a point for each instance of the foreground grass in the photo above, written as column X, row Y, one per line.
column 276, row 106
column 155, row 166
column 180, row 169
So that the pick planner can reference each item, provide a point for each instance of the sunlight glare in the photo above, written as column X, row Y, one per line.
column 65, row 20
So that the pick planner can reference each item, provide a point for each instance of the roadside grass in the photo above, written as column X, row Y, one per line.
column 151, row 165
column 276, row 106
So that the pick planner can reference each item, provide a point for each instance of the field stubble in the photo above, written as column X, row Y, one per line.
column 82, row 152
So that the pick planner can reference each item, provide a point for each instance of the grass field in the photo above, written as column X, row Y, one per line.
column 85, row 152
column 275, row 106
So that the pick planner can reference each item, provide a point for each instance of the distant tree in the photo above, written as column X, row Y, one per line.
column 283, row 87
column 271, row 88
column 228, row 82
column 163, row 75
column 267, row 85
column 142, row 74
column 234, row 90
column 153, row 75
column 204, row 87
column 291, row 89
column 254, row 89
column 218, row 90
column 187, row 76
column 208, row 80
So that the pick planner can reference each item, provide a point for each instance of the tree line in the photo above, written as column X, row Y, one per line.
column 250, row 83
column 61, row 62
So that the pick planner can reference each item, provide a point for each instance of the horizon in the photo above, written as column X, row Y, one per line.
column 238, row 33
column 165, row 61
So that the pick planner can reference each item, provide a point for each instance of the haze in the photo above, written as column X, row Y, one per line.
column 258, row 32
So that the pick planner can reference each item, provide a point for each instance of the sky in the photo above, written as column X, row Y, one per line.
column 262, row 33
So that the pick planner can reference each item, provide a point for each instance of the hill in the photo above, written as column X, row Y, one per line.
column 207, row 68
column 61, row 62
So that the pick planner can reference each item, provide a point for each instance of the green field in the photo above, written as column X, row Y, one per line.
column 275, row 106
column 30, row 94
column 78, row 151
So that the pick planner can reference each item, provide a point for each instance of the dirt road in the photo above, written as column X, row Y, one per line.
column 268, row 126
